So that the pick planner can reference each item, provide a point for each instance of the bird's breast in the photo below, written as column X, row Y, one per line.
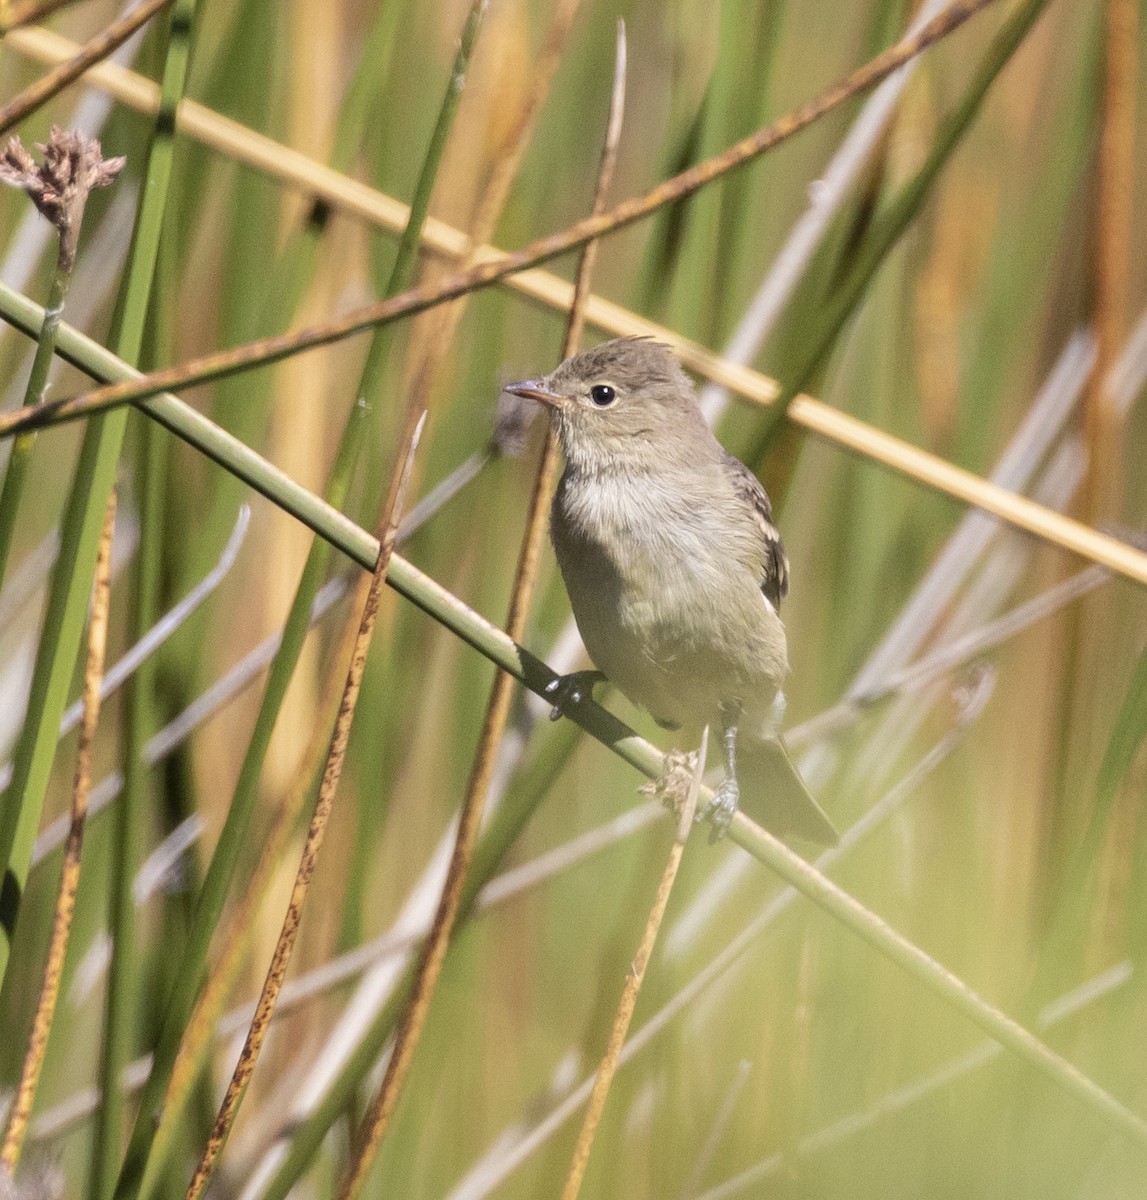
column 668, row 608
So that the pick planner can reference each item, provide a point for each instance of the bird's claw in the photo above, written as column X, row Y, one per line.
column 719, row 812
column 568, row 691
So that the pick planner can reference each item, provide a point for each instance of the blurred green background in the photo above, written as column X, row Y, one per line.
column 1014, row 855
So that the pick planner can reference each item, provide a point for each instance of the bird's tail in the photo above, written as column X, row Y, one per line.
column 773, row 792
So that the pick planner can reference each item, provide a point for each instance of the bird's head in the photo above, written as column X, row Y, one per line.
column 623, row 403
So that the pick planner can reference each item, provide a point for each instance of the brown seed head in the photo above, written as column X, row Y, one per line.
column 73, row 166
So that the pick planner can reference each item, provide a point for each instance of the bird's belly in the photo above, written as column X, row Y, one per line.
column 681, row 638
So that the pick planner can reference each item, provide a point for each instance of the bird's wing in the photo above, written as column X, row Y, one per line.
column 775, row 581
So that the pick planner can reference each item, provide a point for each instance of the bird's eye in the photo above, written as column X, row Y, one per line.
column 602, row 395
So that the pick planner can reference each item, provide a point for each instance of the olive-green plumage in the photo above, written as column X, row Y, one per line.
column 674, row 568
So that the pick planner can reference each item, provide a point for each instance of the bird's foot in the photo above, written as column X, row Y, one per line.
column 719, row 812
column 568, row 691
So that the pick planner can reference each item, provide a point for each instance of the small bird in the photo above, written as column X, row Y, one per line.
column 674, row 568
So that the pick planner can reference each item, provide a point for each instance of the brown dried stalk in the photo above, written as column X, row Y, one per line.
column 374, row 1124
column 235, row 939
column 367, row 599
column 514, row 144
column 70, row 874
column 633, row 981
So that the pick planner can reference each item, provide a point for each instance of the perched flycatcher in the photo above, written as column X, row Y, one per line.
column 674, row 567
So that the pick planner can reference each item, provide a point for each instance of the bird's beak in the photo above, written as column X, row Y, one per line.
column 533, row 389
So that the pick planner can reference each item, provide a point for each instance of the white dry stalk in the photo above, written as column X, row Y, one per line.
column 973, row 536
column 233, row 682
column 1029, row 446
column 717, row 1130
column 158, row 872
column 16, row 662
column 167, row 740
column 246, row 670
column 501, row 888
column 826, row 198
column 1003, row 569
column 169, row 623
column 118, row 673
column 27, row 580
column 953, row 655
column 1127, row 377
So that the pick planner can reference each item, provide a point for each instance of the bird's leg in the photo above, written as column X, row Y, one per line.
column 568, row 691
column 720, row 811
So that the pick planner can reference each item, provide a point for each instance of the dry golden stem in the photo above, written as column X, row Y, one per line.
column 59, row 77
column 432, row 341
column 367, row 598
column 632, row 988
column 1097, row 649
column 374, row 1125
column 70, row 874
column 938, row 473
column 1112, row 253
column 509, row 158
